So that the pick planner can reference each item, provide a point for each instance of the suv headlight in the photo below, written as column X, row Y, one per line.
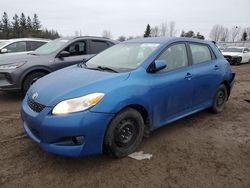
column 11, row 66
column 77, row 104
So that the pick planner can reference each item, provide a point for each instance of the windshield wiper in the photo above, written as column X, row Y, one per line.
column 106, row 68
column 83, row 64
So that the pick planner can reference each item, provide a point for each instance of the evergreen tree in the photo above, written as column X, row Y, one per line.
column 29, row 24
column 16, row 26
column 244, row 36
column 147, row 32
column 36, row 23
column 199, row 36
column 23, row 26
column 5, row 26
column 191, row 34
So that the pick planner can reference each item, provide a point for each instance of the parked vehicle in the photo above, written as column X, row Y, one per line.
column 20, row 45
column 19, row 72
column 106, row 104
column 237, row 55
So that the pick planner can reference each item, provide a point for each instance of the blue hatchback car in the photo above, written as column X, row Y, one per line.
column 108, row 103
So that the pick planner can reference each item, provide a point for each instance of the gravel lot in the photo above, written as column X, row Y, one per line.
column 202, row 150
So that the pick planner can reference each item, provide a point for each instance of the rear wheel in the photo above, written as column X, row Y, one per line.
column 124, row 134
column 220, row 99
column 31, row 79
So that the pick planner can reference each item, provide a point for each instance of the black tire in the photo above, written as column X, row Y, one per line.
column 220, row 99
column 31, row 79
column 124, row 133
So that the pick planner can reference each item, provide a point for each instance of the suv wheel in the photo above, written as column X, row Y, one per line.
column 31, row 79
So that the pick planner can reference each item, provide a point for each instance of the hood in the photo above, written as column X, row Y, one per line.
column 73, row 82
column 17, row 58
column 232, row 53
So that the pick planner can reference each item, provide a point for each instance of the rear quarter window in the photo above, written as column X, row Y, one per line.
column 200, row 53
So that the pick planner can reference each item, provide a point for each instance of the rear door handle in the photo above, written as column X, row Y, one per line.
column 216, row 67
column 188, row 76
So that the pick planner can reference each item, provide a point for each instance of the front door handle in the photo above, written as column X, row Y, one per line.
column 188, row 76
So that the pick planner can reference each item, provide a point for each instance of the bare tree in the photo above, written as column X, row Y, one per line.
column 217, row 32
column 248, row 32
column 107, row 34
column 172, row 30
column 164, row 29
column 121, row 38
column 224, row 34
column 155, row 31
column 235, row 31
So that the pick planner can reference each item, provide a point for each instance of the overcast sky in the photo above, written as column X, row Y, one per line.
column 130, row 17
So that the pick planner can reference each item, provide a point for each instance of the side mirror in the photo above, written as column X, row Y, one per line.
column 245, row 52
column 157, row 65
column 63, row 54
column 4, row 50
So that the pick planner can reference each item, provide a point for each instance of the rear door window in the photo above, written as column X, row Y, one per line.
column 33, row 45
column 200, row 53
column 98, row 45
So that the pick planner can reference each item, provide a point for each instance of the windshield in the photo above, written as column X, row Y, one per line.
column 123, row 56
column 50, row 47
column 2, row 44
column 233, row 50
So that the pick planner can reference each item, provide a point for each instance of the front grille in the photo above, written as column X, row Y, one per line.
column 229, row 58
column 37, row 107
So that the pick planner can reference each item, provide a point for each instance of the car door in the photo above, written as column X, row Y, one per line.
column 172, row 87
column 245, row 55
column 77, row 52
column 206, row 71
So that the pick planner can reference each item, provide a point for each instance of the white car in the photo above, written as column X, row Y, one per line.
column 237, row 55
column 20, row 45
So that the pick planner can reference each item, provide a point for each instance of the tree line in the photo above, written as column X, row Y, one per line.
column 22, row 26
column 224, row 34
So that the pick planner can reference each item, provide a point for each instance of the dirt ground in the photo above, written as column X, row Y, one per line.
column 202, row 150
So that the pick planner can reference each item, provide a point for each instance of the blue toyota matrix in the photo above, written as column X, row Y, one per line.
column 107, row 104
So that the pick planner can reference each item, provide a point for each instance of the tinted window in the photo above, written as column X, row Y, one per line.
column 97, row 46
column 200, row 53
column 16, row 47
column 77, row 48
column 33, row 45
column 246, row 50
column 175, row 57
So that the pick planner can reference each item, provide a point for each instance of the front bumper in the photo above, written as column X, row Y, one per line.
column 8, row 81
column 233, row 60
column 48, row 130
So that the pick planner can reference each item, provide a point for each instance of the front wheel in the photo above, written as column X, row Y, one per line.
column 124, row 134
column 31, row 79
column 220, row 99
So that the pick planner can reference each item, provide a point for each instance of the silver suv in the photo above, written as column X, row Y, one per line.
column 20, row 45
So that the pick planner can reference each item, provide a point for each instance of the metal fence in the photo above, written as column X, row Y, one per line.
column 239, row 43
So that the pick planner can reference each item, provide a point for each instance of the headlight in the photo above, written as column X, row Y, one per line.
column 11, row 66
column 77, row 104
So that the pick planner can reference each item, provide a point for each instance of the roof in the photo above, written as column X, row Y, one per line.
column 163, row 40
column 27, row 39
column 88, row 37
